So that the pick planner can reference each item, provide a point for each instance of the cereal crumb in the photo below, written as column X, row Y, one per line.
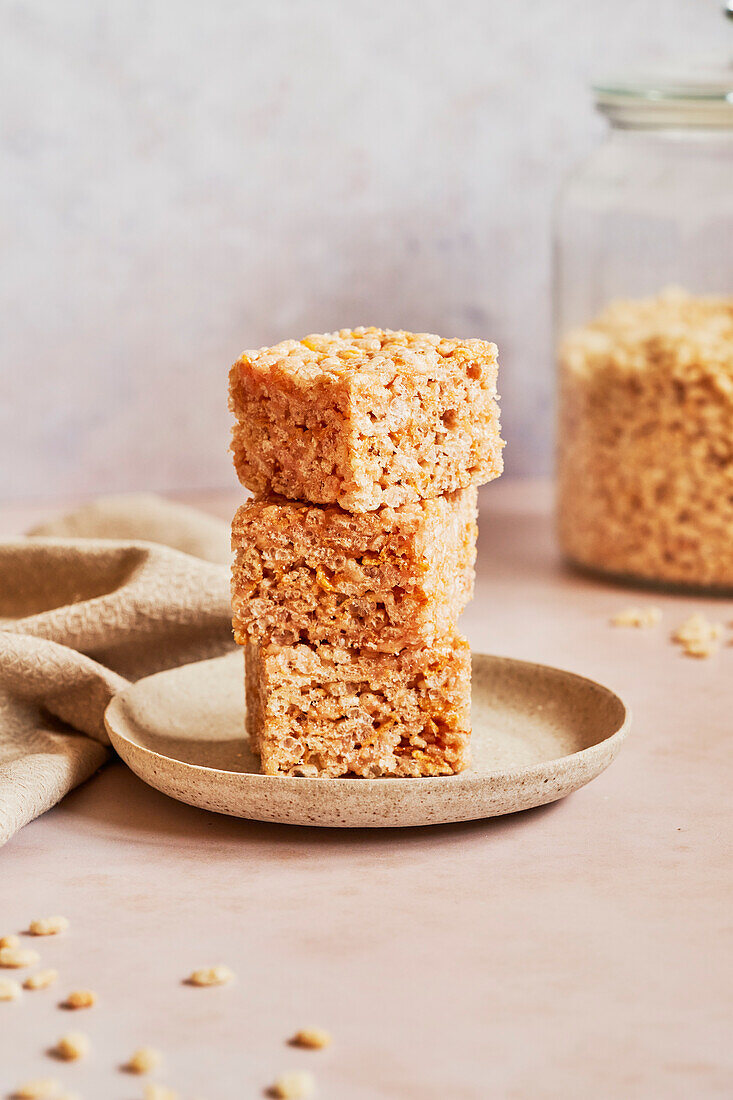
column 701, row 649
column 160, row 1092
column 10, row 941
column 9, row 990
column 72, row 1047
column 314, row 1038
column 42, row 979
column 48, row 926
column 144, row 1060
column 39, row 1089
column 640, row 617
column 211, row 975
column 17, row 957
column 698, row 637
column 80, row 998
column 296, row 1085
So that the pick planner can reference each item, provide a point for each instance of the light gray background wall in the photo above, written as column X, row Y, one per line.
column 181, row 180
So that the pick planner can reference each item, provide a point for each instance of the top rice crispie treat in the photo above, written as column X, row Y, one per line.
column 366, row 417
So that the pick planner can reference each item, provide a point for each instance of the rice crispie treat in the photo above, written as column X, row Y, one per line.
column 646, row 440
column 328, row 711
column 382, row 580
column 366, row 417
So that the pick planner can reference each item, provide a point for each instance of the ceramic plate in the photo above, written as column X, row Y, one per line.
column 538, row 734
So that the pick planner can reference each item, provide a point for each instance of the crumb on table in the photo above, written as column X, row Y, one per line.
column 698, row 637
column 48, row 926
column 154, row 1091
column 312, row 1038
column 41, row 1088
column 294, row 1085
column 144, row 1060
column 211, row 975
column 18, row 957
column 72, row 1047
column 42, row 979
column 9, row 989
column 640, row 617
column 80, row 998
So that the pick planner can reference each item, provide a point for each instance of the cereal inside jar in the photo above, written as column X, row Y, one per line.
column 646, row 440
column 644, row 336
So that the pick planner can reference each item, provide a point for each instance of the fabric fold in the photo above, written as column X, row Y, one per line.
column 81, row 617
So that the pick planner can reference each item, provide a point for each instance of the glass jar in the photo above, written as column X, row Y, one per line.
column 644, row 331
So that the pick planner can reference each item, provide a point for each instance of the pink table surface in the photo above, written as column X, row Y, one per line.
column 578, row 950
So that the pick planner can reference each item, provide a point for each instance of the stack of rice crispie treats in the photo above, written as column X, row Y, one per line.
column 356, row 556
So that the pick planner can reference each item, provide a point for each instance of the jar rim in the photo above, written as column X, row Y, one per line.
column 697, row 94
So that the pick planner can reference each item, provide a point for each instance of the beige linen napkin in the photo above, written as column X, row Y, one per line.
column 87, row 604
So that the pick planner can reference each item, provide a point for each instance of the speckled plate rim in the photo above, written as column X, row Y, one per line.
column 467, row 796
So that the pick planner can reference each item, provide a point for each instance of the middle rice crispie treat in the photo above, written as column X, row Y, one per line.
column 328, row 711
column 379, row 581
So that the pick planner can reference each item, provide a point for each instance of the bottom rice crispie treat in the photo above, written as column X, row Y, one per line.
column 327, row 711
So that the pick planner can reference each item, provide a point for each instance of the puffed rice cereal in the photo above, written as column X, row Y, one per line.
column 645, row 434
column 144, row 1060
column 80, row 998
column 159, row 1092
column 295, row 1085
column 313, row 1038
column 42, row 979
column 72, row 1047
column 211, row 975
column 48, row 926
column 639, row 617
column 9, row 990
column 18, row 957
column 698, row 637
column 43, row 1088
